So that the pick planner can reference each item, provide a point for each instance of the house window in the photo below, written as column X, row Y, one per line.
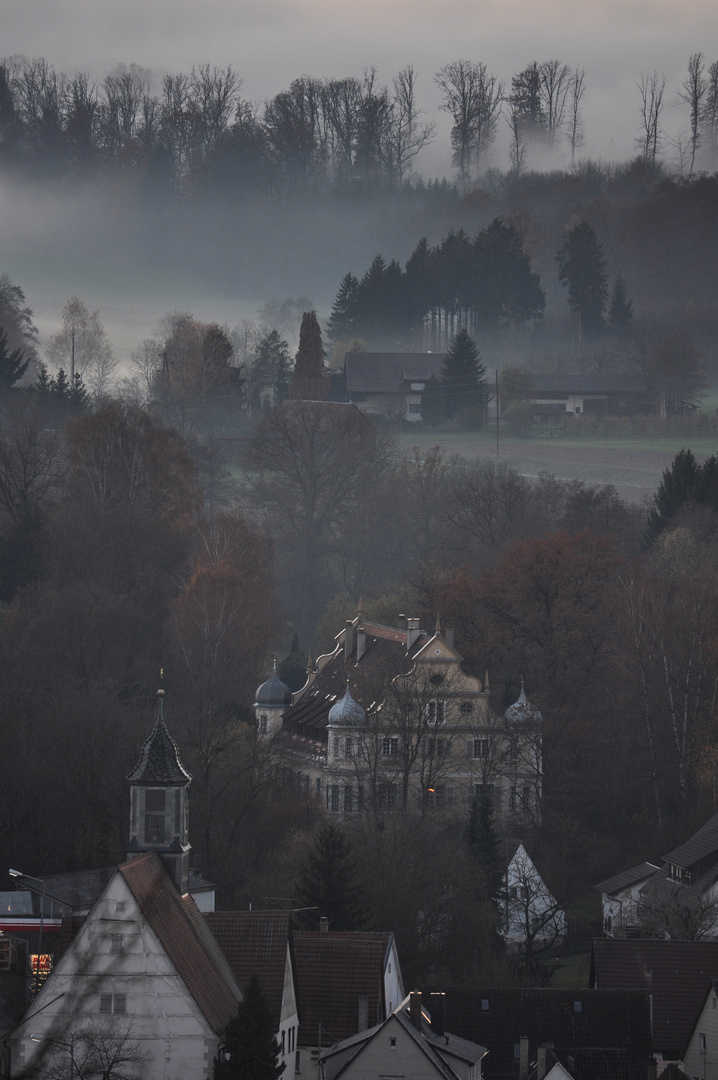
column 526, row 797
column 702, row 1044
column 120, row 905
column 333, row 793
column 436, row 713
column 155, row 816
column 348, row 800
column 512, row 800
column 116, row 943
column 113, row 1003
column 487, row 793
column 347, row 747
column 336, row 746
column 390, row 746
column 297, row 1063
column 480, row 748
column 284, row 1034
column 518, row 892
column 466, row 707
column 414, row 408
column 578, row 1006
column 392, row 1043
column 263, row 725
column 319, row 787
column 484, row 1004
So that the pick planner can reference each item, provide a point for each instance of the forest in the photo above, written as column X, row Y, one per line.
column 129, row 549
column 139, row 546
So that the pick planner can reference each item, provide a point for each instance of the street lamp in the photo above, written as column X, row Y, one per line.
column 58, row 1042
column 40, row 881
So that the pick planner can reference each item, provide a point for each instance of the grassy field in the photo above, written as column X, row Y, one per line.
column 633, row 466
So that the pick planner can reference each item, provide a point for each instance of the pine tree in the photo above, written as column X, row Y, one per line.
column 271, row 369
column 60, row 387
column 582, row 267
column 43, row 383
column 463, row 377
column 620, row 310
column 679, row 484
column 78, row 397
column 485, row 847
column 251, row 1050
column 328, row 882
column 309, row 380
column 340, row 324
column 12, row 365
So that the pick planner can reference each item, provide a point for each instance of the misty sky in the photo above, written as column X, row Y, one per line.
column 272, row 41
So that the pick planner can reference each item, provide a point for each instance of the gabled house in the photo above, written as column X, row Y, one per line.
column 533, row 918
column 522, row 1027
column 346, row 982
column 260, row 943
column 700, row 1057
column 411, row 1042
column 677, row 899
column 390, row 719
column 676, row 974
column 144, row 972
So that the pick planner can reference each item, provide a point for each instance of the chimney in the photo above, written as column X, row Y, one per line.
column 412, row 632
column 523, row 1057
column 401, row 622
column 541, row 1063
column 449, row 636
column 324, row 925
column 415, row 1008
column 361, row 642
column 438, row 1013
column 348, row 639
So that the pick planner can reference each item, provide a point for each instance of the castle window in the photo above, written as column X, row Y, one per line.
column 263, row 725
column 436, row 713
column 348, row 800
column 390, row 746
column 479, row 748
column 348, row 747
column 466, row 707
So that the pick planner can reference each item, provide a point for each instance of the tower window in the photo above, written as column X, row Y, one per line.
column 155, row 816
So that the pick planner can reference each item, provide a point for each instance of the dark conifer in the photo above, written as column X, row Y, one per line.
column 620, row 310
column 582, row 267
column 463, row 376
column 251, row 1050
column 12, row 365
column 328, row 882
column 309, row 380
column 340, row 324
column 680, row 483
column 485, row 847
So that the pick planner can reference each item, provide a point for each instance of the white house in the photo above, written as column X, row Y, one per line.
column 700, row 1058
column 409, row 1043
column 533, row 916
column 621, row 899
column 143, row 977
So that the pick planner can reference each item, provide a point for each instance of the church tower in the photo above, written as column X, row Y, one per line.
column 158, row 803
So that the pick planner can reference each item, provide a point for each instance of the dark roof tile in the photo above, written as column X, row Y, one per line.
column 255, row 943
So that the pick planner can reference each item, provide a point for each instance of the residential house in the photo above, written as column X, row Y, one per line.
column 390, row 719
column 410, row 1042
column 700, row 1056
column 677, row 975
column 346, row 982
column 621, row 900
column 390, row 384
column 679, row 898
column 522, row 1028
column 533, row 918
column 558, row 394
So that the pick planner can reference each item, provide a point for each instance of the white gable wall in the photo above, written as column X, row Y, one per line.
column 161, row 1015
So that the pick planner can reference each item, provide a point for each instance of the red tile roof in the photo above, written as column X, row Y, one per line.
column 332, row 970
column 676, row 973
column 185, row 937
column 255, row 943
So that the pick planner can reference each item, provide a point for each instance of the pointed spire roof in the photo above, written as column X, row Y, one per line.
column 347, row 712
column 159, row 760
column 273, row 691
column 437, row 628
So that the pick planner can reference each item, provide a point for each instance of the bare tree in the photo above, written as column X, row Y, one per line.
column 575, row 118
column 555, row 87
column 651, row 88
column 407, row 135
column 534, row 917
column 93, row 1052
column 146, row 361
column 517, row 149
column 709, row 118
column 458, row 84
column 693, row 91
column 82, row 347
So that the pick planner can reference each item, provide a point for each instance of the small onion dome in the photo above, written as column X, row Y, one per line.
column 522, row 711
column 347, row 712
column 273, row 691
